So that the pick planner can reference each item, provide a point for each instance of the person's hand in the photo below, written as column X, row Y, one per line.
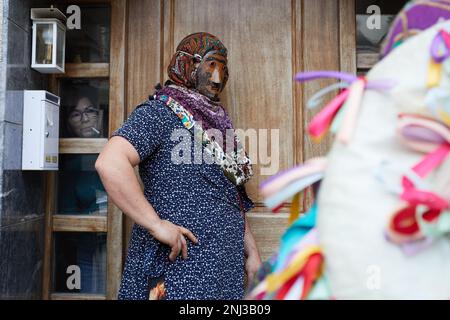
column 174, row 236
column 252, row 264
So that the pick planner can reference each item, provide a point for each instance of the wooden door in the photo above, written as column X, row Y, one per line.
column 268, row 42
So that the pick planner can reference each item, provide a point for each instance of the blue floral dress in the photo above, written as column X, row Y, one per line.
column 196, row 196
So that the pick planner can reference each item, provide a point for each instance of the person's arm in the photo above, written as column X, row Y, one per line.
column 253, row 259
column 115, row 166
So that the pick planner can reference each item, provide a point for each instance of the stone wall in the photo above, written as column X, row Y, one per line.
column 21, row 193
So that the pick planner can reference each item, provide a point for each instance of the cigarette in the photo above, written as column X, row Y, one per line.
column 95, row 130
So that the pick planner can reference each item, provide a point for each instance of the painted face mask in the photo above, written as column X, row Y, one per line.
column 211, row 76
column 200, row 63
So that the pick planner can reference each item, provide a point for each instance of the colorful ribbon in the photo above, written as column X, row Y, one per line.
column 440, row 51
column 424, row 213
column 350, row 98
column 440, row 47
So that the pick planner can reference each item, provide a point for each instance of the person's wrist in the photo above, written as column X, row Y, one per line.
column 153, row 224
column 253, row 252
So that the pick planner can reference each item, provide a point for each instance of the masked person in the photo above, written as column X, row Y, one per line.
column 191, row 239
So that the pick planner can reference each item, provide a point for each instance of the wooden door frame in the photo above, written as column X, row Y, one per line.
column 347, row 35
column 116, row 73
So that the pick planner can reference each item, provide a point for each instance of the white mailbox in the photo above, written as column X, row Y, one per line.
column 40, row 130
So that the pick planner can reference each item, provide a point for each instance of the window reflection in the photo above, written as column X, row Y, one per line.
column 369, row 37
column 84, row 108
column 370, row 40
column 91, row 43
column 80, row 189
column 80, row 262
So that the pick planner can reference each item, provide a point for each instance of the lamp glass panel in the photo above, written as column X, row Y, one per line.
column 44, row 43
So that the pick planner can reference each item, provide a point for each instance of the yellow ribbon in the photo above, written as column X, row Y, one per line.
column 444, row 117
column 276, row 280
column 295, row 208
column 434, row 74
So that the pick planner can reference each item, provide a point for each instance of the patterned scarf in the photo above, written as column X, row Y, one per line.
column 209, row 114
column 196, row 110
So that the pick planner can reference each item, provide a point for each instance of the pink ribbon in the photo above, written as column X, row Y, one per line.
column 322, row 121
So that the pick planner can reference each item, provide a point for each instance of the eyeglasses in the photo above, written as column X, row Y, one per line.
column 90, row 112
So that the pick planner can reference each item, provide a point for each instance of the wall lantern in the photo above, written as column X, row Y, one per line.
column 49, row 40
